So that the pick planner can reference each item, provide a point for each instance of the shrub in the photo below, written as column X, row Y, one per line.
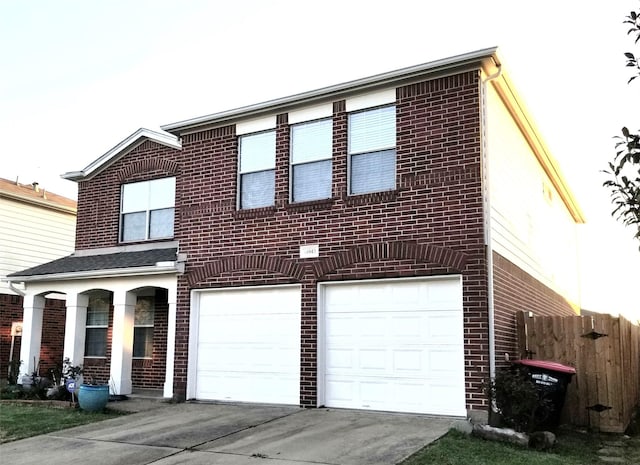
column 519, row 401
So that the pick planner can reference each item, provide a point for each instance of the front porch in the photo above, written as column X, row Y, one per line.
column 120, row 329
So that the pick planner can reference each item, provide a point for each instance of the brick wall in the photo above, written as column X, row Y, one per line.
column 431, row 224
column 52, row 334
column 514, row 291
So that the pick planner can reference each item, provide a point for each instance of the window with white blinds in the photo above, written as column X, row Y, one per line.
column 257, row 167
column 311, row 148
column 372, row 152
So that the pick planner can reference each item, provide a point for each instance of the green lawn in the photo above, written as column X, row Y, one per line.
column 572, row 449
column 18, row 421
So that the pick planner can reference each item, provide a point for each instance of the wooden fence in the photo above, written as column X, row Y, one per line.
column 604, row 350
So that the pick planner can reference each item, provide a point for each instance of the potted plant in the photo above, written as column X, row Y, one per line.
column 92, row 396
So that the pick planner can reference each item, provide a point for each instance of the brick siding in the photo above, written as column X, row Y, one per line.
column 431, row 224
column 514, row 291
column 52, row 335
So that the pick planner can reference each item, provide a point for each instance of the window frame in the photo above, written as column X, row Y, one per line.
column 378, row 150
column 292, row 164
column 241, row 172
column 151, row 302
column 105, row 327
column 147, row 212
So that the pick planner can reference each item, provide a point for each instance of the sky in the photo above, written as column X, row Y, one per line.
column 77, row 77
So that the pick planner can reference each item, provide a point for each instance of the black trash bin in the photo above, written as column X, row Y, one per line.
column 551, row 379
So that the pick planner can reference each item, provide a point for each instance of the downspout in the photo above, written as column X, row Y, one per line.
column 15, row 289
column 487, row 222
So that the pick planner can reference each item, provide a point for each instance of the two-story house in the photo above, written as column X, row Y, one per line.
column 363, row 245
column 36, row 226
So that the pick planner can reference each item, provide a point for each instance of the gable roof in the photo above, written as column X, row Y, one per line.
column 127, row 145
column 35, row 195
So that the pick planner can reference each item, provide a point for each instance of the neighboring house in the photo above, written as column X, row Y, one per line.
column 364, row 246
column 35, row 227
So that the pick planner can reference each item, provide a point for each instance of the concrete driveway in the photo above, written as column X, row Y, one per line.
column 231, row 434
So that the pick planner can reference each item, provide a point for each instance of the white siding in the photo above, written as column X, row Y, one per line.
column 32, row 235
column 531, row 225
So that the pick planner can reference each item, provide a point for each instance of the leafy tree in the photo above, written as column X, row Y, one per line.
column 624, row 170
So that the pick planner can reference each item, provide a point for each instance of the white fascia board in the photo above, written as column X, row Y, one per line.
column 128, row 144
column 161, row 268
column 44, row 203
column 378, row 81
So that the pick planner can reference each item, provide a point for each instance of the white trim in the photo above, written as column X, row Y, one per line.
column 255, row 125
column 192, row 363
column 194, row 321
column 126, row 248
column 125, row 146
column 324, row 110
column 171, row 340
column 394, row 78
column 111, row 273
column 372, row 99
column 321, row 317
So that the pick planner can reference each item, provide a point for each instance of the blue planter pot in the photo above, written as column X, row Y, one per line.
column 93, row 398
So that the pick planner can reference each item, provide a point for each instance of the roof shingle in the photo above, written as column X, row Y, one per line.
column 113, row 261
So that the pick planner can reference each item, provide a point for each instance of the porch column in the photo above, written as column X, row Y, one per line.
column 124, row 304
column 172, row 297
column 75, row 328
column 32, row 312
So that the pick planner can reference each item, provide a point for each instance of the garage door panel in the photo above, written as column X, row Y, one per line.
column 409, row 362
column 395, row 345
column 401, row 395
column 248, row 346
column 243, row 358
column 233, row 386
column 247, row 327
column 445, row 326
column 373, row 360
column 446, row 361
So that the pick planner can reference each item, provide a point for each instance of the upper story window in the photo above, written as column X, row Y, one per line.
column 257, row 168
column 95, row 344
column 311, row 148
column 372, row 150
column 148, row 210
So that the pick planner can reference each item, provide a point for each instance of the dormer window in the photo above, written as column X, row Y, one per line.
column 147, row 210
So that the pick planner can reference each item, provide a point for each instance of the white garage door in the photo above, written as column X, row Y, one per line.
column 248, row 345
column 395, row 345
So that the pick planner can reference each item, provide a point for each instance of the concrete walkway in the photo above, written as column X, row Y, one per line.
column 229, row 434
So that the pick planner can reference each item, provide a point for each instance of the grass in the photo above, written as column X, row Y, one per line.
column 573, row 448
column 19, row 421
